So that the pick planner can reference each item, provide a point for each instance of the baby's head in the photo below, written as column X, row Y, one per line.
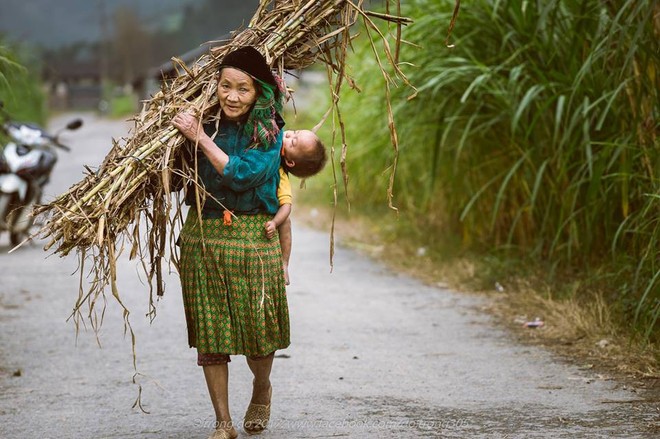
column 303, row 153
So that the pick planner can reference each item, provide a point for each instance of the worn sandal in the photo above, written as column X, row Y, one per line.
column 257, row 416
column 224, row 434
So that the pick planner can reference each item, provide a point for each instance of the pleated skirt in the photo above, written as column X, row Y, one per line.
column 233, row 286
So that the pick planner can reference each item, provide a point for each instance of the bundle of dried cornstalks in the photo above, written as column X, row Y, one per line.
column 127, row 202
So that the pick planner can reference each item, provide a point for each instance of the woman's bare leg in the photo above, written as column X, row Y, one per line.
column 261, row 369
column 217, row 380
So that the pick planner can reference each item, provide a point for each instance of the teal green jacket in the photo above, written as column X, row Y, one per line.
column 249, row 182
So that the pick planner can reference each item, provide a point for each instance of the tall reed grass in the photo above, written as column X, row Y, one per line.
column 536, row 133
column 20, row 87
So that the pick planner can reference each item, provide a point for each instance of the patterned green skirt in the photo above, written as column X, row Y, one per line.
column 233, row 287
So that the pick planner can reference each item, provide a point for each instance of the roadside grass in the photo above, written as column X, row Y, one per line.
column 534, row 137
column 20, row 88
column 526, row 161
column 123, row 106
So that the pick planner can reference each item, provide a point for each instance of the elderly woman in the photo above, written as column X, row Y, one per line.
column 231, row 274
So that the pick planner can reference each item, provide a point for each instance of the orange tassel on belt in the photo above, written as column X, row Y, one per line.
column 226, row 218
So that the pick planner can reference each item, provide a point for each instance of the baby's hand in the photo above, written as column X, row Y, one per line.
column 270, row 228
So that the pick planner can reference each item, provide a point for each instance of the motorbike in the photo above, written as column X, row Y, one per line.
column 26, row 162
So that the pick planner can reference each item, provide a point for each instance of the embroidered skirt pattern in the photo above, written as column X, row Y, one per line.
column 233, row 286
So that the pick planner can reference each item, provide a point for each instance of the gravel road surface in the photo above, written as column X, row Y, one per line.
column 373, row 355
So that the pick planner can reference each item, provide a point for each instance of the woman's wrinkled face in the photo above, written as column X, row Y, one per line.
column 236, row 93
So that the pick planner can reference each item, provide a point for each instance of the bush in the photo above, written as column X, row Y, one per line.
column 20, row 87
column 535, row 134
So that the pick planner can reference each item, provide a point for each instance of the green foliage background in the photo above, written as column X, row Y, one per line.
column 20, row 86
column 535, row 135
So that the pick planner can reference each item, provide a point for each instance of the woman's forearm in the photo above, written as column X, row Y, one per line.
column 216, row 156
column 192, row 130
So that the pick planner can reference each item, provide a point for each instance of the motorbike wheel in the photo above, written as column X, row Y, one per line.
column 14, row 217
column 17, row 237
column 4, row 205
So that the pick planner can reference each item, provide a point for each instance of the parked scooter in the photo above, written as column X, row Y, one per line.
column 26, row 161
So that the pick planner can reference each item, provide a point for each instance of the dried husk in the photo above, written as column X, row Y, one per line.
column 128, row 203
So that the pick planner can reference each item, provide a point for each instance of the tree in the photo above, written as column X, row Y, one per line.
column 8, row 70
column 131, row 46
column 20, row 88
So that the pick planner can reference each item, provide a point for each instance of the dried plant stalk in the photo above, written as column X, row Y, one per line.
column 127, row 204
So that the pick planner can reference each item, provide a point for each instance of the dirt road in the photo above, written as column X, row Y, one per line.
column 373, row 355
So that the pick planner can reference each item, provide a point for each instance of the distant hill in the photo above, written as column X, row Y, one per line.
column 54, row 23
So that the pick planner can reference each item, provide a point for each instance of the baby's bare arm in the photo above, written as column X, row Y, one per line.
column 285, row 244
column 280, row 217
column 282, row 214
column 282, row 223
